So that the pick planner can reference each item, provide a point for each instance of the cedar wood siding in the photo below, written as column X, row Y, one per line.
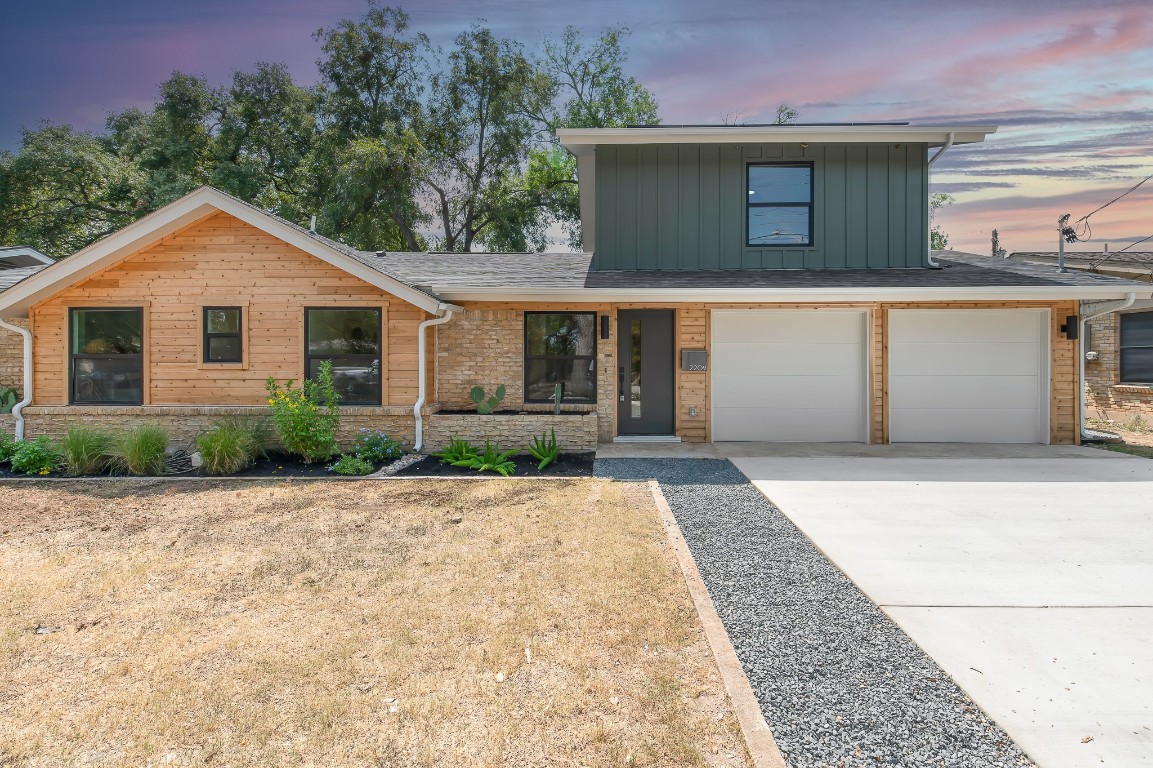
column 683, row 206
column 222, row 261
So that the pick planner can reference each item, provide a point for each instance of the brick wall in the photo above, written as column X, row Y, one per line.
column 575, row 432
column 12, row 357
column 1106, row 397
column 184, row 423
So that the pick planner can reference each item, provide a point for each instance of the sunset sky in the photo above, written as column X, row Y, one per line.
column 1069, row 83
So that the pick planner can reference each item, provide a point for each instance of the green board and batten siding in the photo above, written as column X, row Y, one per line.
column 682, row 206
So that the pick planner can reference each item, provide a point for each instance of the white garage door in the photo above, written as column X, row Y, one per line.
column 789, row 375
column 968, row 376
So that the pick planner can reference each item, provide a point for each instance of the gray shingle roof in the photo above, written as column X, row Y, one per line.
column 1142, row 258
column 9, row 277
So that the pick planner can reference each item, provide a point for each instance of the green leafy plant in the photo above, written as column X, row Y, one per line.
column 8, row 447
column 376, row 447
column 351, row 465
column 486, row 405
column 87, row 451
column 544, row 451
column 231, row 445
column 458, row 450
column 490, row 460
column 141, row 450
column 37, row 457
column 307, row 418
column 8, row 399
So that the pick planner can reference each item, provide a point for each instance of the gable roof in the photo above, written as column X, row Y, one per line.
column 188, row 210
column 10, row 277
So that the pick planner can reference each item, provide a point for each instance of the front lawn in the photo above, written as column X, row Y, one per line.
column 371, row 623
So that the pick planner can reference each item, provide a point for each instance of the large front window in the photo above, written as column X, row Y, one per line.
column 1137, row 348
column 560, row 348
column 780, row 205
column 351, row 339
column 107, row 356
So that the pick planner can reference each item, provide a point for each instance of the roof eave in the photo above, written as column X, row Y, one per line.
column 774, row 295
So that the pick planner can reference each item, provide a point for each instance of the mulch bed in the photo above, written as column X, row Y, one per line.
column 567, row 465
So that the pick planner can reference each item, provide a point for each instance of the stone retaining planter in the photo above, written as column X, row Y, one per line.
column 575, row 432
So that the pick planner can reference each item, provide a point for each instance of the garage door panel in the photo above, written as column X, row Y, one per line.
column 788, row 375
column 788, row 326
column 788, row 424
column 994, row 325
column 964, row 391
column 789, row 359
column 804, row 391
column 965, row 425
column 968, row 376
column 965, row 358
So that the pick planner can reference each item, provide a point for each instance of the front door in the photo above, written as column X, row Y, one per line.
column 645, row 372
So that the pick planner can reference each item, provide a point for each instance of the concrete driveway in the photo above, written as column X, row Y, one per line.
column 1026, row 573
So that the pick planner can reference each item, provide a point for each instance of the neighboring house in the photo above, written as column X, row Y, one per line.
column 739, row 283
column 16, row 263
column 1118, row 345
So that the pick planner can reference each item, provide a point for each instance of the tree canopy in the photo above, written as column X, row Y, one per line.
column 399, row 146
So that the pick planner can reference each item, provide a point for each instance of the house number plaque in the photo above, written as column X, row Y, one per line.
column 694, row 360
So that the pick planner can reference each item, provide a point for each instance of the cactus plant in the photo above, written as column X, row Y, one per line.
column 8, row 399
column 486, row 405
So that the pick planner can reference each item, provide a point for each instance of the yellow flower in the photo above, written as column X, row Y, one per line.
column 272, row 402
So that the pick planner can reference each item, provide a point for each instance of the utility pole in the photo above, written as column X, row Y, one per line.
column 1061, row 222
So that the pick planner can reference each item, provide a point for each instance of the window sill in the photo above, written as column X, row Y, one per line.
column 1137, row 388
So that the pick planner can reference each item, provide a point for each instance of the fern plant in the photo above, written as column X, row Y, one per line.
column 544, row 451
column 486, row 405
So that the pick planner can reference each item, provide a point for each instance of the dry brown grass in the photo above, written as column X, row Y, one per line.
column 361, row 623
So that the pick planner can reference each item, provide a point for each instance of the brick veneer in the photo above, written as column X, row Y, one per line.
column 12, row 357
column 575, row 432
column 1106, row 397
column 184, row 423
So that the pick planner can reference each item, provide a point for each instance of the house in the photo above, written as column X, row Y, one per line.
column 768, row 283
column 1118, row 345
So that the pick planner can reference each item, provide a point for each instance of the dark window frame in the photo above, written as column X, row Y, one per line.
column 526, row 358
column 379, row 356
column 206, row 335
column 1147, row 316
column 809, row 205
column 73, row 356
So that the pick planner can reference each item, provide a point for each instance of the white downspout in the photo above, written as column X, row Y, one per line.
column 1128, row 302
column 18, row 409
column 421, row 372
column 948, row 143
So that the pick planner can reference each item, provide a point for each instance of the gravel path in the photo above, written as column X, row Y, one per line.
column 839, row 683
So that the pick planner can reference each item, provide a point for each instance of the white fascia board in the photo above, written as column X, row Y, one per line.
column 23, row 250
column 173, row 217
column 788, row 295
column 580, row 141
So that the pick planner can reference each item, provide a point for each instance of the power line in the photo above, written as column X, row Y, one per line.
column 1110, row 255
column 1106, row 205
column 1071, row 235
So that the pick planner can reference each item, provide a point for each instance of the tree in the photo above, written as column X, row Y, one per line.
column 65, row 189
column 938, row 239
column 786, row 115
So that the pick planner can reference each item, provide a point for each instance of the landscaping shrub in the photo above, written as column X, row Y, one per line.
column 458, row 450
column 141, row 451
column 351, row 465
column 8, row 446
column 544, row 451
column 307, row 418
column 376, row 447
column 37, row 457
column 87, row 451
column 231, row 445
column 490, row 460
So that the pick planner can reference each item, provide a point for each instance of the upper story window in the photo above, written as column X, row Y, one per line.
column 780, row 204
column 1136, row 348
column 223, row 338
column 107, row 355
column 352, row 339
column 560, row 348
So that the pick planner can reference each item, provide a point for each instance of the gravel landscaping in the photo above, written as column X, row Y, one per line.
column 839, row 683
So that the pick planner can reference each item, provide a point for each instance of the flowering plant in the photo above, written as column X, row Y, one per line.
column 306, row 418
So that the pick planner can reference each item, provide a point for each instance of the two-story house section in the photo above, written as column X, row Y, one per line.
column 738, row 283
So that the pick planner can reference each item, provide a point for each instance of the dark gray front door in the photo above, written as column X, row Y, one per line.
column 645, row 372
